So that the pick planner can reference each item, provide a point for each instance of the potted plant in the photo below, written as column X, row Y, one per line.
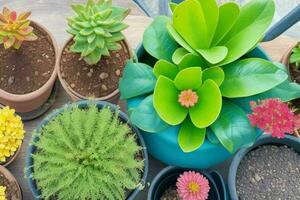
column 98, row 152
column 291, row 59
column 174, row 183
column 92, row 61
column 9, row 187
column 192, row 86
column 28, row 59
column 11, row 135
column 252, row 170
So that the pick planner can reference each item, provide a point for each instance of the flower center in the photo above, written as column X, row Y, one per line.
column 193, row 187
column 188, row 98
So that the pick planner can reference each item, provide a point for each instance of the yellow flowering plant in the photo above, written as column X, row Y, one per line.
column 2, row 193
column 11, row 133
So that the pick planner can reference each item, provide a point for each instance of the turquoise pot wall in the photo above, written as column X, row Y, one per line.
column 164, row 146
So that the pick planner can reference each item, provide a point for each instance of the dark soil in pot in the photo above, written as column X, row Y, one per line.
column 95, row 81
column 12, row 189
column 170, row 194
column 269, row 172
column 27, row 69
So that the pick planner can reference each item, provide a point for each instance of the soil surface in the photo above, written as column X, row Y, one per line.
column 295, row 75
column 27, row 69
column 269, row 173
column 94, row 81
column 170, row 194
column 11, row 188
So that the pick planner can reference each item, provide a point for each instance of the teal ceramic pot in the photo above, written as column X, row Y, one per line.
column 164, row 146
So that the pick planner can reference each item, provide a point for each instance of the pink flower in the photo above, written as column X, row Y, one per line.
column 192, row 186
column 273, row 116
column 188, row 98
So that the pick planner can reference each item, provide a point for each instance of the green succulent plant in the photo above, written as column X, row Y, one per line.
column 86, row 154
column 295, row 56
column 97, row 29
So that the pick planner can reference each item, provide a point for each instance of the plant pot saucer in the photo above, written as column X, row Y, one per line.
column 43, row 108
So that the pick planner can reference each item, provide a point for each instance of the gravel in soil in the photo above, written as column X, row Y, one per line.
column 170, row 194
column 93, row 81
column 11, row 188
column 269, row 173
column 27, row 69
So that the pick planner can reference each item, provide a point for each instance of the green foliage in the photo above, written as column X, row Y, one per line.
column 86, row 154
column 97, row 29
column 295, row 56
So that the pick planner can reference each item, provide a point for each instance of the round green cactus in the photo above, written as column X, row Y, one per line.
column 97, row 29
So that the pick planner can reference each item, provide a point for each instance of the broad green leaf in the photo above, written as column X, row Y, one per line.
column 249, row 77
column 192, row 60
column 138, row 79
column 196, row 21
column 255, row 17
column 157, row 41
column 178, row 55
column 228, row 14
column 208, row 108
column 233, row 128
column 190, row 138
column 146, row 118
column 286, row 91
column 172, row 6
column 212, row 137
column 165, row 68
column 189, row 78
column 166, row 102
column 214, row 73
column 214, row 55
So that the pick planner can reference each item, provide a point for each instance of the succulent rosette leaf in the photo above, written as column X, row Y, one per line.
column 97, row 29
column 14, row 29
column 295, row 56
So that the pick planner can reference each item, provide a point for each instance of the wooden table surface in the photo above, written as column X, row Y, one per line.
column 52, row 14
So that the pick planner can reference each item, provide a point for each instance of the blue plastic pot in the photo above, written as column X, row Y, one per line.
column 83, row 104
column 168, row 177
column 164, row 146
column 289, row 141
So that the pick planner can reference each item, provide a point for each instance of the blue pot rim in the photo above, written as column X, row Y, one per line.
column 82, row 104
column 170, row 169
column 262, row 140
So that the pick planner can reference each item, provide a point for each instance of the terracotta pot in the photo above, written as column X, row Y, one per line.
column 12, row 158
column 112, row 97
column 31, row 101
column 286, row 58
column 13, row 181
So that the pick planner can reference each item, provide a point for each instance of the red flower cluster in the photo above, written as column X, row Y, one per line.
column 274, row 117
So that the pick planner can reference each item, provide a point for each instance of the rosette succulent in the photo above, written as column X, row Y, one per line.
column 14, row 29
column 201, row 81
column 97, row 29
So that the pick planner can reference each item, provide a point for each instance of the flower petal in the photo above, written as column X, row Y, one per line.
column 189, row 78
column 166, row 102
column 208, row 108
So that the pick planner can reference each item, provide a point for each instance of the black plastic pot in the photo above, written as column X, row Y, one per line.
column 168, row 177
column 84, row 104
column 289, row 141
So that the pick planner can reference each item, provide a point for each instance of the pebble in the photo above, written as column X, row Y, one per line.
column 90, row 74
column 36, row 73
column 27, row 78
column 118, row 72
column 72, row 85
column 103, row 75
column 104, row 87
column 11, row 80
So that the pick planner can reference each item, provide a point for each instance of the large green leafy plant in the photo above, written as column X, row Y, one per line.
column 295, row 56
column 201, row 81
column 86, row 154
column 97, row 29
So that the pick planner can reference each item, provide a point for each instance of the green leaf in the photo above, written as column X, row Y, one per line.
column 157, row 41
column 146, row 118
column 233, row 128
column 208, row 108
column 178, row 55
column 192, row 60
column 138, row 79
column 214, row 73
column 212, row 137
column 166, row 102
column 214, row 55
column 172, row 6
column 250, row 76
column 94, row 57
column 165, row 68
column 228, row 14
column 189, row 78
column 255, row 17
column 196, row 22
column 190, row 138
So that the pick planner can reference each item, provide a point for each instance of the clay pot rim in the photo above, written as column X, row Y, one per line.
column 11, row 177
column 73, row 93
column 286, row 57
column 44, row 88
column 13, row 157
